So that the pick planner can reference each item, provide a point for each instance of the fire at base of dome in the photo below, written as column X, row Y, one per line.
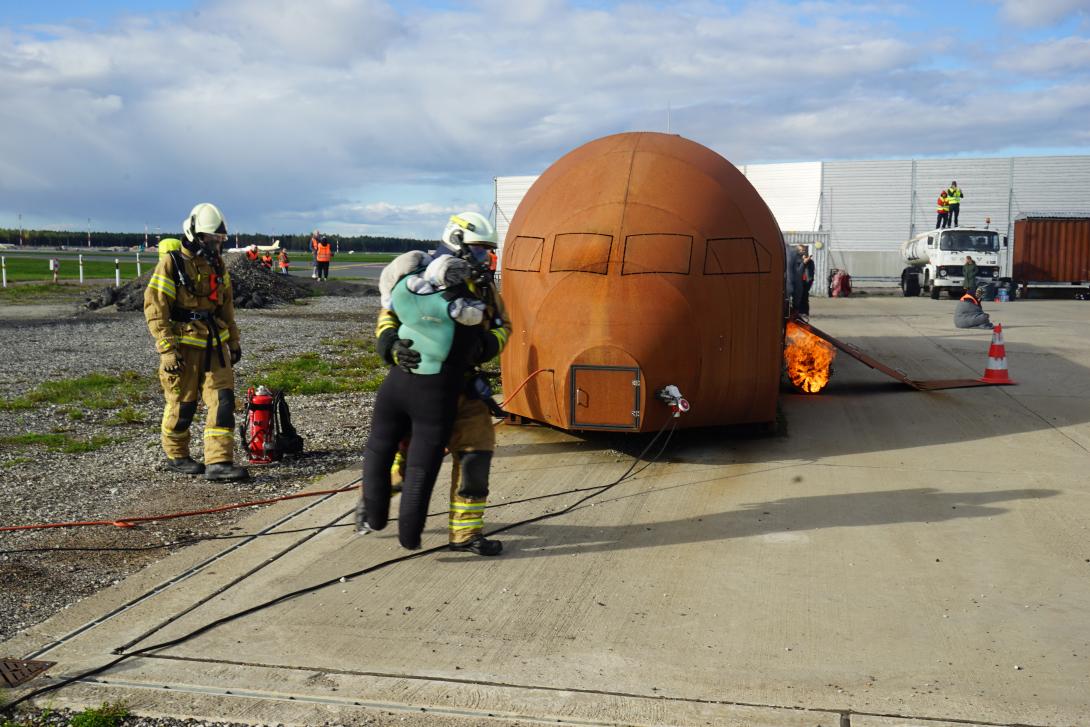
column 808, row 359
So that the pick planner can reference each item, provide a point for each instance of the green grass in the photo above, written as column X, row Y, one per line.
column 349, row 365
column 58, row 442
column 108, row 715
column 37, row 268
column 128, row 415
column 93, row 391
column 25, row 293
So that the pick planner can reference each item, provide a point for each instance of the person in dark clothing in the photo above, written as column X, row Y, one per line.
column 969, row 271
column 799, row 279
column 807, row 280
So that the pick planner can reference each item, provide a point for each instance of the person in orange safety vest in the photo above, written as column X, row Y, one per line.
column 942, row 207
column 323, row 254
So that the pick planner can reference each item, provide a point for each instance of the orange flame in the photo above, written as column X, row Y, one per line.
column 808, row 359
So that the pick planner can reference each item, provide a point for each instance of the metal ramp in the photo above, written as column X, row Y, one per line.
column 928, row 385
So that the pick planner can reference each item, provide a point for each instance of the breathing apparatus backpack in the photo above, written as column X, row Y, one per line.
column 266, row 431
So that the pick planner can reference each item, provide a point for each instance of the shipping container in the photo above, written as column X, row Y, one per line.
column 1051, row 251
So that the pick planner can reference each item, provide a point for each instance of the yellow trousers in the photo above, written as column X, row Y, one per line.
column 471, row 445
column 217, row 387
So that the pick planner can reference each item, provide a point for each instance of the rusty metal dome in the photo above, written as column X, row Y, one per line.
column 636, row 261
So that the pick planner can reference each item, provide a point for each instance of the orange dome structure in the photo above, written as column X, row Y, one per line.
column 638, row 261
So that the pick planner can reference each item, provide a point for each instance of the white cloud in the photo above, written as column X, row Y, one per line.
column 1041, row 12
column 290, row 114
column 1054, row 57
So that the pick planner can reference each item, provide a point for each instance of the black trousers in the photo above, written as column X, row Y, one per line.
column 323, row 269
column 953, row 220
column 943, row 220
column 424, row 406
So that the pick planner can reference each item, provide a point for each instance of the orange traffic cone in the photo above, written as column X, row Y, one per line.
column 996, row 372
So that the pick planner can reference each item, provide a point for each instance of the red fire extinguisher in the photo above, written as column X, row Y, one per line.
column 258, row 436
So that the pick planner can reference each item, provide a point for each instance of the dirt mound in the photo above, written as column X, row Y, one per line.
column 254, row 287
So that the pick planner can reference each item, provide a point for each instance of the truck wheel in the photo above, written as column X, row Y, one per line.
column 936, row 291
column 910, row 285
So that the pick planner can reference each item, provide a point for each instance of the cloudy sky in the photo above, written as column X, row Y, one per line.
column 383, row 117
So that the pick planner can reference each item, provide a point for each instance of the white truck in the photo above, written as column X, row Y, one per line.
column 936, row 260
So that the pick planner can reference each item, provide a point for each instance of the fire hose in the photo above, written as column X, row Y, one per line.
column 129, row 522
column 670, row 426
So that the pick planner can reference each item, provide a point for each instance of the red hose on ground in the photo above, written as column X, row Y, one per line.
column 128, row 522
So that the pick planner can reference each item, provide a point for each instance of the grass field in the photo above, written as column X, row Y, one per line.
column 29, row 268
column 34, row 266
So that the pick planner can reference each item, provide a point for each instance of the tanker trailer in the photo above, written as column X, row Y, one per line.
column 936, row 260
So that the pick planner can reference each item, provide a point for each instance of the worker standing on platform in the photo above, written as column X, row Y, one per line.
column 942, row 207
column 954, row 196
column 190, row 312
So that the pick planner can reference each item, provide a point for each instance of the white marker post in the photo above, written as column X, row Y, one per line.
column 4, row 267
column 81, row 269
column 138, row 265
column 117, row 273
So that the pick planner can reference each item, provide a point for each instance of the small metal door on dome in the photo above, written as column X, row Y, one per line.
column 605, row 397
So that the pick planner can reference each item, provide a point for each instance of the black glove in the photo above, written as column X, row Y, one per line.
column 172, row 362
column 403, row 354
column 236, row 355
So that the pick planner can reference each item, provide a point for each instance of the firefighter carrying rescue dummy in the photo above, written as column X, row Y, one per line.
column 458, row 416
column 190, row 312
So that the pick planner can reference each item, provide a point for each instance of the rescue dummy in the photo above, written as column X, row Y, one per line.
column 969, row 313
column 190, row 312
column 477, row 324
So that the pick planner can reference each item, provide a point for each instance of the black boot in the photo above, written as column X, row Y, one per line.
column 479, row 545
column 225, row 471
column 362, row 528
column 185, row 466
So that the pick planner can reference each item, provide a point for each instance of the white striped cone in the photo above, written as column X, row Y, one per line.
column 996, row 371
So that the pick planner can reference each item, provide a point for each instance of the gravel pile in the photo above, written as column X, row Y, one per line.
column 254, row 287
column 44, row 571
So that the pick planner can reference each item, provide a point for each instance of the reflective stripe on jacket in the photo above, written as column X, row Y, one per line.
column 164, row 296
column 325, row 252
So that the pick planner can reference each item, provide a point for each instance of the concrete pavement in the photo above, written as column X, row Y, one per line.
column 892, row 558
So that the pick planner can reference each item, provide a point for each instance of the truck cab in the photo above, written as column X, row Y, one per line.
column 936, row 260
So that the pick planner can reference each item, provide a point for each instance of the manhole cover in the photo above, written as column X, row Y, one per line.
column 14, row 672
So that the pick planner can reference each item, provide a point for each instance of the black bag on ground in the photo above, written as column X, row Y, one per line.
column 286, row 439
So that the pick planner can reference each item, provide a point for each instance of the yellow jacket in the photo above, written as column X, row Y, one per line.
column 167, row 301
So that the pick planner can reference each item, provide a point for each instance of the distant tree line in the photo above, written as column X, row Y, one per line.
column 342, row 243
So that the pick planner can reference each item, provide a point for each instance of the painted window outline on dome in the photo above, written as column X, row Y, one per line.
column 641, row 246
column 761, row 259
column 524, row 255
column 574, row 253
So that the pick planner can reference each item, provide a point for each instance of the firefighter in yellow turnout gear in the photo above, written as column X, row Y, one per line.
column 190, row 312
column 473, row 439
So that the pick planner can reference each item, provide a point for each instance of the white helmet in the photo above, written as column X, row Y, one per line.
column 205, row 217
column 469, row 228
